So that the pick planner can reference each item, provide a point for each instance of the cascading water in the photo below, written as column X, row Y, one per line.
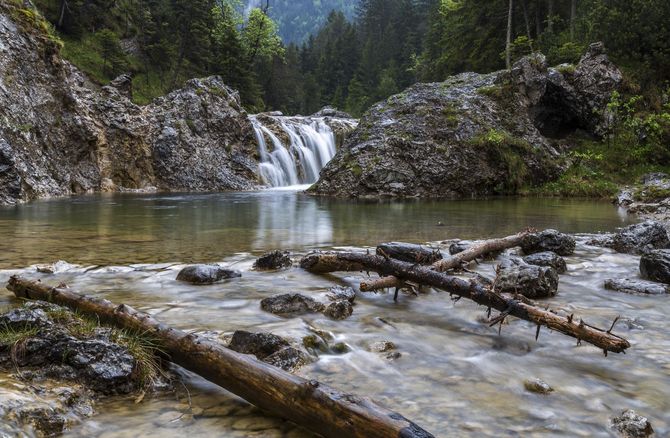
column 311, row 145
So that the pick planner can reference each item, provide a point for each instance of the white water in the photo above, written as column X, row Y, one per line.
column 311, row 146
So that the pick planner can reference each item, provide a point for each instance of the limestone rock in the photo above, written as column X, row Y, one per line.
column 655, row 265
column 273, row 260
column 206, row 274
column 547, row 258
column 638, row 238
column 515, row 276
column 635, row 286
column 549, row 240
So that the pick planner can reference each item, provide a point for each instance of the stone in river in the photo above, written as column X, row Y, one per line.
column 537, row 386
column 638, row 238
column 206, row 274
column 631, row 425
column 273, row 260
column 548, row 240
column 547, row 258
column 515, row 276
column 290, row 304
column 655, row 265
column 635, row 286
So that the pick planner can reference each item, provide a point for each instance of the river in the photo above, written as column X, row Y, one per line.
column 455, row 376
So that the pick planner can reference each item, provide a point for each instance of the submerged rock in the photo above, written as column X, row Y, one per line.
column 269, row 348
column 637, row 238
column 549, row 240
column 409, row 252
column 515, row 276
column 631, row 425
column 291, row 304
column 635, row 286
column 537, row 386
column 273, row 260
column 341, row 309
column 206, row 274
column 338, row 293
column 547, row 258
column 474, row 134
column 381, row 347
column 655, row 265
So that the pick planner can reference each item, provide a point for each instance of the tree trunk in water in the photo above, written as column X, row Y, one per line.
column 508, row 47
column 514, row 305
column 308, row 403
column 456, row 261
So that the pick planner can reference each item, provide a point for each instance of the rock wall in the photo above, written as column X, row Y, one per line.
column 474, row 134
column 60, row 136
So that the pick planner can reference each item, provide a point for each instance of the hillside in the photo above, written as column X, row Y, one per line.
column 298, row 19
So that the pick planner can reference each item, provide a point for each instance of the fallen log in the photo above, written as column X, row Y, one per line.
column 308, row 403
column 507, row 304
column 455, row 261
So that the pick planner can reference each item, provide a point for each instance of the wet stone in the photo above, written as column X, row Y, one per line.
column 288, row 359
column 458, row 247
column 515, row 276
column 381, row 347
column 638, row 238
column 409, row 252
column 206, row 274
column 260, row 345
column 339, row 310
column 537, row 386
column 337, row 293
column 273, row 260
column 547, row 258
column 549, row 240
column 655, row 266
column 631, row 425
column 290, row 304
column 637, row 287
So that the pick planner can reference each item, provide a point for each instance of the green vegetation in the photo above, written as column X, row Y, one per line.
column 10, row 336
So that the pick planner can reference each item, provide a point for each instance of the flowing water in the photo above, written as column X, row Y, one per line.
column 311, row 145
column 455, row 377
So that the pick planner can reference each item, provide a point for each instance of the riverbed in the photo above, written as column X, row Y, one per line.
column 455, row 375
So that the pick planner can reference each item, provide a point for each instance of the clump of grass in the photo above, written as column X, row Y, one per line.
column 11, row 336
column 146, row 350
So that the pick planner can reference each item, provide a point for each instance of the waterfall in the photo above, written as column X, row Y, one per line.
column 310, row 146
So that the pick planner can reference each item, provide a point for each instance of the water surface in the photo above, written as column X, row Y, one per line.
column 456, row 376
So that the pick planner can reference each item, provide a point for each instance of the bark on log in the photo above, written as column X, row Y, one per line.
column 455, row 261
column 308, row 403
column 507, row 304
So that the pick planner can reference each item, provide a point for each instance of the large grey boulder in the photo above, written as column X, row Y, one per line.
column 655, row 265
column 473, row 134
column 638, row 238
column 549, row 240
column 206, row 274
column 547, row 258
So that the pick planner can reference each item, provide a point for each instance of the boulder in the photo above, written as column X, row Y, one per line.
column 341, row 309
column 637, row 238
column 269, row 348
column 291, row 304
column 409, row 252
column 473, row 134
column 273, row 260
column 537, row 386
column 547, row 258
column 655, row 265
column 549, row 240
column 338, row 293
column 631, row 425
column 515, row 276
column 206, row 274
column 636, row 287
column 329, row 111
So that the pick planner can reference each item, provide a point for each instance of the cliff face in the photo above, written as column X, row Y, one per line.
column 58, row 136
column 474, row 134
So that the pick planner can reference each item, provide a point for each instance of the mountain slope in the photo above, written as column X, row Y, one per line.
column 298, row 19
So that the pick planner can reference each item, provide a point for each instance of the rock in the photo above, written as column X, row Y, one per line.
column 409, row 252
column 637, row 238
column 290, row 304
column 269, row 348
column 547, row 258
column 515, row 276
column 624, row 198
column 57, row 344
column 549, row 240
column 273, row 260
column 537, row 386
column 473, row 134
column 55, row 268
column 655, row 265
column 655, row 179
column 206, row 274
column 329, row 111
column 458, row 247
column 338, row 293
column 260, row 345
column 381, row 347
column 393, row 355
column 341, row 309
column 638, row 287
column 631, row 425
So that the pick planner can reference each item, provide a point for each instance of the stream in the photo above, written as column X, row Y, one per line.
column 455, row 375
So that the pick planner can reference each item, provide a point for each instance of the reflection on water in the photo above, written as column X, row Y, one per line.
column 123, row 228
column 455, row 375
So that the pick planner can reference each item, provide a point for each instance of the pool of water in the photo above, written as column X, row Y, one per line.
column 455, row 377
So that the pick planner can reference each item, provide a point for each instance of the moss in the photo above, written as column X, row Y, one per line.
column 566, row 69
column 651, row 193
column 451, row 115
column 356, row 170
column 191, row 124
column 32, row 22
column 25, row 128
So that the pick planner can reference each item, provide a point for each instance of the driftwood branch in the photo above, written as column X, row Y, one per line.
column 514, row 305
column 453, row 262
column 308, row 403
